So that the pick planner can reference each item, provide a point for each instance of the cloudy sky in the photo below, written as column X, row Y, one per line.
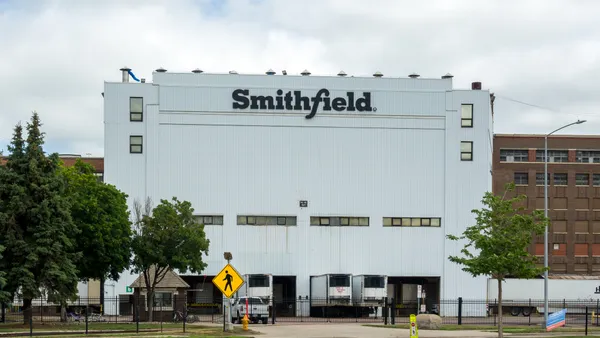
column 55, row 54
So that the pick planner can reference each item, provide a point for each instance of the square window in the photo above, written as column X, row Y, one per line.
column 415, row 222
column 582, row 179
column 136, row 109
column 387, row 221
column 251, row 220
column 218, row 220
column 466, row 151
column 344, row 221
column 324, row 221
column 560, row 179
column 354, row 221
column 397, row 222
column 596, row 178
column 466, row 116
column 406, row 222
column 363, row 221
column 435, row 222
column 208, row 220
column 280, row 220
column 135, row 144
column 521, row 178
column 539, row 178
column 425, row 222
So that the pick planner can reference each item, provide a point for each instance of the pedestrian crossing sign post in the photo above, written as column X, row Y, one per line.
column 228, row 281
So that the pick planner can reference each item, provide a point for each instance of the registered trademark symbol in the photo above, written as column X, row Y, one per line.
column 375, row 109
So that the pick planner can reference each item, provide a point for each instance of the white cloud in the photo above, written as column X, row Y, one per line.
column 56, row 54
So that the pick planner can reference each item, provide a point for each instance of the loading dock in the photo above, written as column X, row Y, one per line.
column 404, row 291
column 284, row 294
column 202, row 296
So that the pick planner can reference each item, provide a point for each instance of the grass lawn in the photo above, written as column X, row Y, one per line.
column 169, row 330
column 491, row 328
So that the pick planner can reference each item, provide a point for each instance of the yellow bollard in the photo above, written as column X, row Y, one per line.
column 245, row 322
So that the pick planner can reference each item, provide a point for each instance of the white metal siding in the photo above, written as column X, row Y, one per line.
column 401, row 161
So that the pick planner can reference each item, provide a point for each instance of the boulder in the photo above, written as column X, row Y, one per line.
column 429, row 321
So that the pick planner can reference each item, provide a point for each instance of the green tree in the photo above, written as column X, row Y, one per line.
column 166, row 238
column 100, row 212
column 36, row 225
column 497, row 246
column 4, row 296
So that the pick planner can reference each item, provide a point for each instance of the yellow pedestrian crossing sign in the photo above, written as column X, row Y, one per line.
column 228, row 281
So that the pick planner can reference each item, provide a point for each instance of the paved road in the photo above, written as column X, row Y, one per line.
column 354, row 331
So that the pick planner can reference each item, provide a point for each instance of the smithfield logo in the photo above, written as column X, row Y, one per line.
column 295, row 101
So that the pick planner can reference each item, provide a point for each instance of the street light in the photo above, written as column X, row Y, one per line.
column 546, row 215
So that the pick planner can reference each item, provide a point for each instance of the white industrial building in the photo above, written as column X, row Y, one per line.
column 304, row 175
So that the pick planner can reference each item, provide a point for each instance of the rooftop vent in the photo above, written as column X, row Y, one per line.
column 284, row 72
column 125, row 74
column 476, row 85
column 447, row 76
column 377, row 74
column 341, row 73
column 270, row 72
column 161, row 70
column 142, row 80
column 414, row 75
column 232, row 72
column 197, row 71
column 305, row 73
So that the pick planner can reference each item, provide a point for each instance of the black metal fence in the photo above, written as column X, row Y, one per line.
column 178, row 309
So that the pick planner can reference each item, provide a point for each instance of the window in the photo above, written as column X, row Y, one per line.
column 539, row 179
column 163, row 299
column 135, row 144
column 136, row 109
column 209, row 219
column 522, row 178
column 258, row 281
column 553, row 155
column 339, row 281
column 582, row 179
column 374, row 282
column 266, row 220
column 466, row 116
column 514, row 155
column 411, row 222
column 466, row 151
column 560, row 179
column 596, row 179
column 99, row 176
column 343, row 221
column 587, row 156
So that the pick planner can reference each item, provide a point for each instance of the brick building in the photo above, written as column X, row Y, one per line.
column 573, row 194
column 69, row 160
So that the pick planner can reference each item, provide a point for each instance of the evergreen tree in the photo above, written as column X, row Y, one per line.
column 36, row 224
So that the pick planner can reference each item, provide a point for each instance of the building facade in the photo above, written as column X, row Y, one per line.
column 299, row 176
column 573, row 194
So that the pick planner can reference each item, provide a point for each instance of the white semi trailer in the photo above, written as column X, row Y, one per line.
column 369, row 293
column 331, row 295
column 526, row 296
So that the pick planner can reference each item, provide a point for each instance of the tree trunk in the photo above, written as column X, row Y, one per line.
column 150, row 305
column 102, row 280
column 63, row 312
column 500, row 333
column 27, row 310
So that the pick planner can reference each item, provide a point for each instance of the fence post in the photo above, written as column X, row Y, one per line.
column 86, row 316
column 137, row 313
column 460, row 304
column 3, row 312
column 31, row 325
column 597, row 307
column 529, row 313
column 393, row 311
column 385, row 311
column 185, row 312
column 273, row 310
column 586, row 320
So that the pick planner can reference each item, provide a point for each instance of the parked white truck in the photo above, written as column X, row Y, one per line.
column 526, row 296
column 257, row 310
column 331, row 294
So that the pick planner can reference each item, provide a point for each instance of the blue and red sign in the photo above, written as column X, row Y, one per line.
column 556, row 319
